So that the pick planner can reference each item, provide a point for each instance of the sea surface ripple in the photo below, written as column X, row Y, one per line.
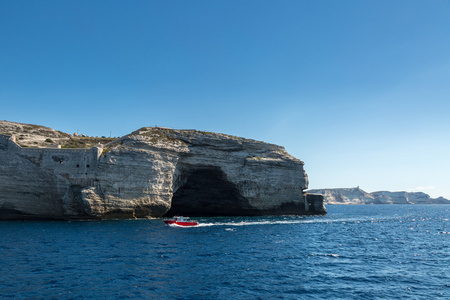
column 354, row 252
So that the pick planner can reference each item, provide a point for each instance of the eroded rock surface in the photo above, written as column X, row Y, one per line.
column 154, row 172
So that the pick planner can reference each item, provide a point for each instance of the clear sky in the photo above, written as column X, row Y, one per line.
column 358, row 90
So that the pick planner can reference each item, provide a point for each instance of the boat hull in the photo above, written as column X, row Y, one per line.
column 181, row 223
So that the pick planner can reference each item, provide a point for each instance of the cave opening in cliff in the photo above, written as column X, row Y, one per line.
column 207, row 192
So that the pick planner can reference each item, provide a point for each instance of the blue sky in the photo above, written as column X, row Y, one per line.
column 358, row 90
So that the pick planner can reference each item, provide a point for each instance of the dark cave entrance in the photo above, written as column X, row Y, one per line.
column 207, row 192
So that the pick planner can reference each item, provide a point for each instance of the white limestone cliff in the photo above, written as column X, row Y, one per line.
column 358, row 196
column 154, row 172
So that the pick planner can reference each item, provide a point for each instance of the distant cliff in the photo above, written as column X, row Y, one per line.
column 358, row 196
column 151, row 172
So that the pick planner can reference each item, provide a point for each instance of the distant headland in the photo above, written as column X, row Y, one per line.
column 358, row 196
column 151, row 172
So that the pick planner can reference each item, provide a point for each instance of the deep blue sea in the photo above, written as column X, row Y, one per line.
column 354, row 252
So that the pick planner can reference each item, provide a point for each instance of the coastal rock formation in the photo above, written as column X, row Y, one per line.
column 358, row 196
column 153, row 172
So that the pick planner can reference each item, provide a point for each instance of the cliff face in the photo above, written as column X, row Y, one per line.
column 358, row 196
column 151, row 173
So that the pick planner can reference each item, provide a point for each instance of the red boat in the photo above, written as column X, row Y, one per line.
column 181, row 221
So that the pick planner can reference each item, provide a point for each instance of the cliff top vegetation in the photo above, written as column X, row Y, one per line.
column 37, row 136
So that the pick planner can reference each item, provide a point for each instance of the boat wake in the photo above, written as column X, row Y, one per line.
column 180, row 226
column 302, row 221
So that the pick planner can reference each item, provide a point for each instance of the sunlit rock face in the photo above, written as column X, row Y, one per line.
column 155, row 172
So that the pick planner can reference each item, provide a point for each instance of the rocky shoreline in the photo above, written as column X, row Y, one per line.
column 358, row 196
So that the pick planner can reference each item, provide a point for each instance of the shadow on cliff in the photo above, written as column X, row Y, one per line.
column 207, row 192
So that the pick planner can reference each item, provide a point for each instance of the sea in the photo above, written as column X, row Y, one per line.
column 353, row 252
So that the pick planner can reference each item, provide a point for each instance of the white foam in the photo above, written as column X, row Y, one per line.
column 179, row 226
column 295, row 221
